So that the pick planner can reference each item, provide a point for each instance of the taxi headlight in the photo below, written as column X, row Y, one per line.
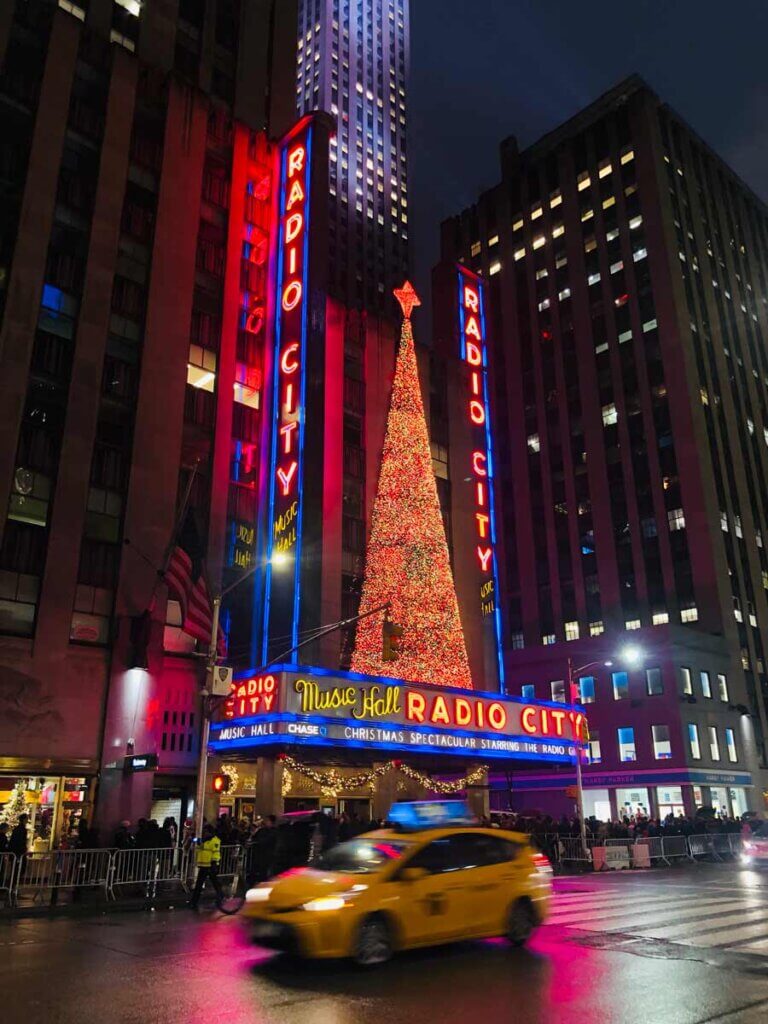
column 325, row 903
column 259, row 895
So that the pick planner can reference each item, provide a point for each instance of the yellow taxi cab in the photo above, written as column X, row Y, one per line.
column 433, row 877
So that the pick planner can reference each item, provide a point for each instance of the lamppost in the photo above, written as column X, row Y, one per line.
column 631, row 655
column 278, row 561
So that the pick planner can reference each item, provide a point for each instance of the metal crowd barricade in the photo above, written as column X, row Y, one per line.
column 230, row 861
column 675, row 847
column 146, row 868
column 8, row 876
column 64, row 869
column 702, row 846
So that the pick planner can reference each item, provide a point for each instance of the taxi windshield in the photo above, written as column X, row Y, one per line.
column 361, row 856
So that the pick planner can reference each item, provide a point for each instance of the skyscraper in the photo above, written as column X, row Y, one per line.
column 627, row 278
column 352, row 61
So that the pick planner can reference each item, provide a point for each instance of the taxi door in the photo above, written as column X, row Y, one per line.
column 426, row 907
column 486, row 879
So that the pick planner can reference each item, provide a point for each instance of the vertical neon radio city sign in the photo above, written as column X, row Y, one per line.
column 282, row 589
column 474, row 353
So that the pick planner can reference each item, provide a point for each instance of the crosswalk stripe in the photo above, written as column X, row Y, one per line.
column 609, row 902
column 758, row 946
column 746, row 916
column 617, row 918
column 728, row 936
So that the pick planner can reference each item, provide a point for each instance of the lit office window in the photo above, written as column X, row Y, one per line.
column 587, row 690
column 571, row 631
column 662, row 748
column 557, row 689
column 687, row 680
column 594, row 747
column 528, row 691
column 722, row 688
column 706, row 687
column 714, row 744
column 730, row 743
column 654, row 685
column 620, row 685
column 693, row 740
column 627, row 744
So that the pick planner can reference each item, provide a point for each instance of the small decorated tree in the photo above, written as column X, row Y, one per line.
column 16, row 805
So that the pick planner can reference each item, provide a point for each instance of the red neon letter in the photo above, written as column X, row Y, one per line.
column 471, row 299
column 286, row 479
column 292, row 295
column 287, row 363
column 415, row 706
column 475, row 382
column 482, row 524
column 474, row 355
column 296, row 161
column 484, row 555
column 287, row 432
column 288, row 403
column 558, row 717
column 477, row 412
column 440, row 712
column 479, row 461
column 293, row 227
column 296, row 195
column 525, row 720
column 480, row 490
column 292, row 259
column 497, row 716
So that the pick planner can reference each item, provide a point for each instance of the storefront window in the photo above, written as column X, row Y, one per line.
column 632, row 801
column 730, row 743
column 662, row 747
column 718, row 799
column 627, row 744
column 670, row 800
column 693, row 740
column 738, row 802
column 597, row 804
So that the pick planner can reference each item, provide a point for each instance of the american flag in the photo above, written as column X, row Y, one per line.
column 185, row 577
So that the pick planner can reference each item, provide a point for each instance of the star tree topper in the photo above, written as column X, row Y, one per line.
column 407, row 298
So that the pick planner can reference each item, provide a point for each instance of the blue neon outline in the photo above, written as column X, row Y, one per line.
column 480, row 285
column 303, row 399
column 276, row 399
column 275, row 408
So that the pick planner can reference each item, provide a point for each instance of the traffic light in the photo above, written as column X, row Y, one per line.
column 391, row 640
column 220, row 783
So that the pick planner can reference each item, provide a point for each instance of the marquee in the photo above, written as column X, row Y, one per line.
column 314, row 707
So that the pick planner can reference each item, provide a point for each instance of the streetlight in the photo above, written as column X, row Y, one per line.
column 278, row 561
column 633, row 656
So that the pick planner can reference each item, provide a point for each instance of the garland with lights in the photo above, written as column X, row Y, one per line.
column 407, row 561
column 331, row 781
column 230, row 770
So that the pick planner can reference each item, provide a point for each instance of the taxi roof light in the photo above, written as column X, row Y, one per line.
column 416, row 815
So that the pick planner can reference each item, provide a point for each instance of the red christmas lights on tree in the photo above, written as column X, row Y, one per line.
column 407, row 561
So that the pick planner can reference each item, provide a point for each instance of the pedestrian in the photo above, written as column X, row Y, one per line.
column 123, row 840
column 4, row 837
column 18, row 842
column 207, row 858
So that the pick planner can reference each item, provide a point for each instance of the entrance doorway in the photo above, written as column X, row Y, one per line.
column 355, row 807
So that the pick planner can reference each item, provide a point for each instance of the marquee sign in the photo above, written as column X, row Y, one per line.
column 285, row 511
column 313, row 707
column 474, row 354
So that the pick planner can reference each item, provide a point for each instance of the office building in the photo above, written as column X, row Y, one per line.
column 626, row 267
column 137, row 211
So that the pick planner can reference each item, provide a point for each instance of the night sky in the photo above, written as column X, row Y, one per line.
column 486, row 69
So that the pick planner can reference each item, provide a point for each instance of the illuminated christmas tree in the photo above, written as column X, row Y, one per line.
column 16, row 805
column 407, row 561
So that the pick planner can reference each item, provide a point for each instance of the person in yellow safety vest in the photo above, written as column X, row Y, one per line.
column 207, row 858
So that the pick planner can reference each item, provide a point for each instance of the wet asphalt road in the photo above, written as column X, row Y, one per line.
column 596, row 964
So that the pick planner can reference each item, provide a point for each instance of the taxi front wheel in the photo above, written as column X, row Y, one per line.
column 374, row 942
column 521, row 921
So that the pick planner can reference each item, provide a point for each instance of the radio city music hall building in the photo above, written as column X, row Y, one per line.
column 626, row 269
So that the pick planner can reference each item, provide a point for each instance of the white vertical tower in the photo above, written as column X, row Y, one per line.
column 352, row 61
